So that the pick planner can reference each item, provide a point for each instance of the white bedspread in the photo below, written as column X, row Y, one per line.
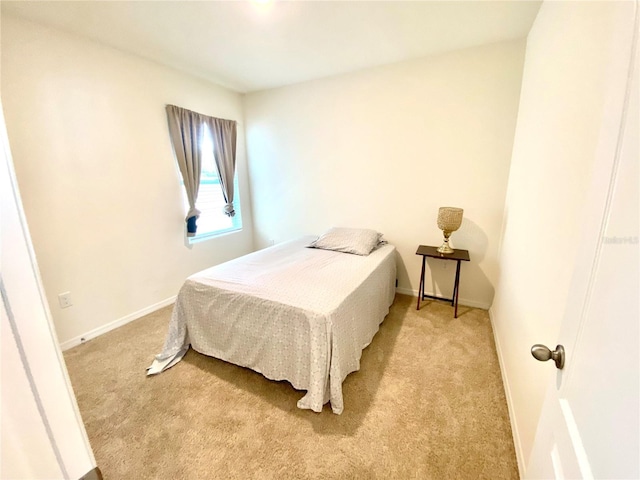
column 291, row 313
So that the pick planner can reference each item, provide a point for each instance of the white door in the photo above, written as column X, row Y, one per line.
column 589, row 426
column 41, row 432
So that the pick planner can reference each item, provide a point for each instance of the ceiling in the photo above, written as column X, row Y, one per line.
column 256, row 45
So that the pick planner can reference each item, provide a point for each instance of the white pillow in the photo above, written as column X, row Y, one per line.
column 360, row 241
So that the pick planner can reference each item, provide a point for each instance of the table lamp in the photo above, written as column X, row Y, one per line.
column 449, row 220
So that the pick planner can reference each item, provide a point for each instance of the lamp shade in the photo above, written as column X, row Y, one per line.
column 449, row 218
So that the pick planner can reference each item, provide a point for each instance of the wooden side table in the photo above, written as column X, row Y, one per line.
column 432, row 252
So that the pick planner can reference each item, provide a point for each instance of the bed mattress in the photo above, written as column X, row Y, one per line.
column 288, row 312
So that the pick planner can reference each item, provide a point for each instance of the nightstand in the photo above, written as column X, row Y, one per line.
column 432, row 252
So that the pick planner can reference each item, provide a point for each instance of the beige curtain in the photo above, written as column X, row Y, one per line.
column 185, row 130
column 224, row 152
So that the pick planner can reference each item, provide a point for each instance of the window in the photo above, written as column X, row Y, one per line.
column 212, row 220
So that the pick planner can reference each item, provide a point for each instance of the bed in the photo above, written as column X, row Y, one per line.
column 289, row 312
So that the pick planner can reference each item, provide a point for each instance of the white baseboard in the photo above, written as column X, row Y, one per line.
column 116, row 323
column 461, row 301
column 507, row 392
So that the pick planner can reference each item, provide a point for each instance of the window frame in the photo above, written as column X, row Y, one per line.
column 236, row 220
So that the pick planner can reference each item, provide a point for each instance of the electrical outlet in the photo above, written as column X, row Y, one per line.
column 64, row 299
column 272, row 242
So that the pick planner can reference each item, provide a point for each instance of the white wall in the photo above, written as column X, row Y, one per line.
column 574, row 59
column 383, row 149
column 100, row 187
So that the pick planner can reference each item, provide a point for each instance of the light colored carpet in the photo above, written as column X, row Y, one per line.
column 428, row 403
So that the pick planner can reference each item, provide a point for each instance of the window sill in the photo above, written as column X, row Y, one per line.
column 210, row 236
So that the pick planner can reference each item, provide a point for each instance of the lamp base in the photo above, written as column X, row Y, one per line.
column 444, row 248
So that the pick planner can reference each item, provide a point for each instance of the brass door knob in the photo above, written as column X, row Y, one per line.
column 543, row 353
